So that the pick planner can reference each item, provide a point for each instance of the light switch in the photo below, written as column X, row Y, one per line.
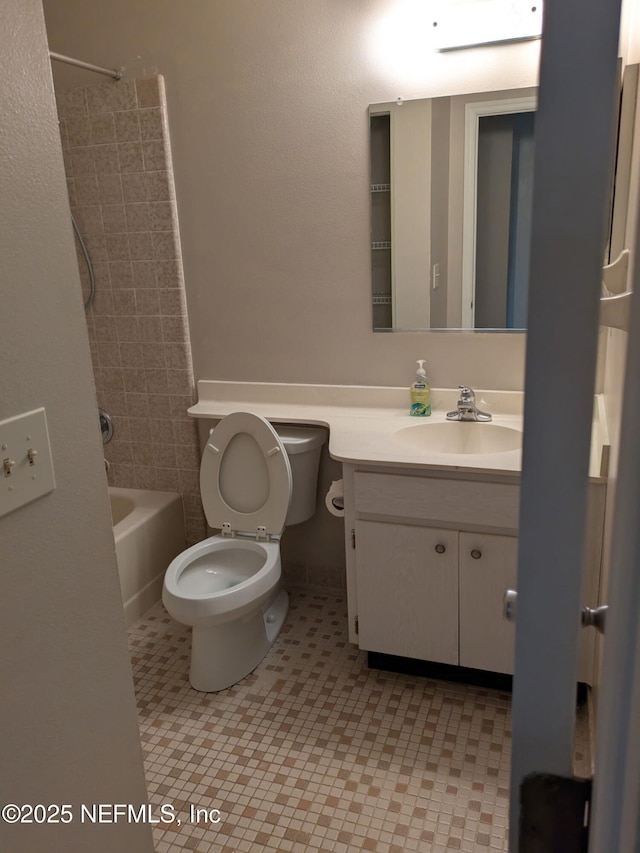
column 26, row 471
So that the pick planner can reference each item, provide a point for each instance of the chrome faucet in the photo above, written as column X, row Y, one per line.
column 467, row 410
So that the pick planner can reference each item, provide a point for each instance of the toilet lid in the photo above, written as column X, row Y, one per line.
column 245, row 476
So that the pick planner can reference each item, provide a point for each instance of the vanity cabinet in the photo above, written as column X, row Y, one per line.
column 429, row 558
column 407, row 606
column 487, row 566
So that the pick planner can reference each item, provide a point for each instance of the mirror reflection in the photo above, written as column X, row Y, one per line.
column 451, row 186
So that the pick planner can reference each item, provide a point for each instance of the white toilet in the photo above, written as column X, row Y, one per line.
column 254, row 480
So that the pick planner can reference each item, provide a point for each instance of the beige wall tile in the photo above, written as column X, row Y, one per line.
column 141, row 246
column 106, row 159
column 150, row 328
column 129, row 221
column 160, row 406
column 127, row 126
column 72, row 102
column 131, row 354
column 110, row 189
column 137, row 405
column 108, row 97
column 134, row 186
column 87, row 189
column 159, row 186
column 161, row 431
column 151, row 123
column 130, row 157
column 82, row 161
column 145, row 478
column 105, row 328
column 154, row 155
column 144, row 274
column 124, row 301
column 103, row 302
column 138, row 218
column 117, row 247
column 114, row 218
column 153, row 355
column 155, row 381
column 177, row 356
column 78, row 128
column 162, row 216
column 189, row 482
column 165, row 245
column 121, row 273
column 102, row 129
column 169, row 273
column 173, row 329
column 148, row 301
column 172, row 302
column 96, row 247
column 140, row 429
column 127, row 328
column 148, row 92
column 89, row 219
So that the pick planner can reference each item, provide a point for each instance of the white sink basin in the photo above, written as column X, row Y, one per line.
column 463, row 437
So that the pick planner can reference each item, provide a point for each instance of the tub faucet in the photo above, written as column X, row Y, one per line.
column 467, row 410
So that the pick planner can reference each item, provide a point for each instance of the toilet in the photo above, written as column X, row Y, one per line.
column 254, row 480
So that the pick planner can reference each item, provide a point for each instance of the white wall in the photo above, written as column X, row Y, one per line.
column 68, row 720
column 268, row 113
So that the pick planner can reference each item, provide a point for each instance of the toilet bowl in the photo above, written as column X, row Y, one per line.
column 253, row 481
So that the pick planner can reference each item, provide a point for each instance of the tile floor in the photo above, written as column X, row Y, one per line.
column 315, row 752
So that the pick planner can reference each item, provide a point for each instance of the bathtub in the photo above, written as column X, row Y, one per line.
column 148, row 528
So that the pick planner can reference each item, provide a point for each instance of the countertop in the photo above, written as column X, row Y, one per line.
column 362, row 421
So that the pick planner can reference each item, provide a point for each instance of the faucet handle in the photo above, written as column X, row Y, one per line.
column 467, row 395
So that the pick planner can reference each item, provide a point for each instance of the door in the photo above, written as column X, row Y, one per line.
column 487, row 568
column 574, row 133
column 407, row 591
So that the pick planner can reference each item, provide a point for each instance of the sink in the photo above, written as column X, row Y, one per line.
column 455, row 437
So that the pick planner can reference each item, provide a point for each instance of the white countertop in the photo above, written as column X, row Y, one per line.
column 362, row 421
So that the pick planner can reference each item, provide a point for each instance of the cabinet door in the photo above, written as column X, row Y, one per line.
column 488, row 566
column 407, row 581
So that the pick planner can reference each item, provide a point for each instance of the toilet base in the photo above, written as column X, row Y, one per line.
column 224, row 654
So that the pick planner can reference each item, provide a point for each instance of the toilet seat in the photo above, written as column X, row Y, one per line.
column 245, row 477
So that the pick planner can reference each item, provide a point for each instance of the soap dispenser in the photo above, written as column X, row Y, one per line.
column 420, row 393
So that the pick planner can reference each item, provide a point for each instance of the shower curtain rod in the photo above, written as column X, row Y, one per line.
column 110, row 72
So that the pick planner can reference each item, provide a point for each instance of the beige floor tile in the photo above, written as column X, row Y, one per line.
column 315, row 752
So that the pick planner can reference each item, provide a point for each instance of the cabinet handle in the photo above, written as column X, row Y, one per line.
column 440, row 549
column 476, row 554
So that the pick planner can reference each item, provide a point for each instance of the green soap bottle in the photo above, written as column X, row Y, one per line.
column 420, row 393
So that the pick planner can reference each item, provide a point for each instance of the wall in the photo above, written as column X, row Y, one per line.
column 115, row 141
column 67, row 707
column 268, row 112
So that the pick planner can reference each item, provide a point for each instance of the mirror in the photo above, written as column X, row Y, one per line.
column 451, row 183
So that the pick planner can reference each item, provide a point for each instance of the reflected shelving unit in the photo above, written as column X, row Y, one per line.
column 381, row 221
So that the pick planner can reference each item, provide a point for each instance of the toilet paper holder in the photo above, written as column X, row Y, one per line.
column 334, row 499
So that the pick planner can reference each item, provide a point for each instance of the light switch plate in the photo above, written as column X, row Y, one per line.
column 26, row 468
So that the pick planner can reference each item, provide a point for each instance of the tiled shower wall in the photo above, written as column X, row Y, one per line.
column 118, row 162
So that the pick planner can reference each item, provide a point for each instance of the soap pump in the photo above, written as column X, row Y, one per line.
column 420, row 393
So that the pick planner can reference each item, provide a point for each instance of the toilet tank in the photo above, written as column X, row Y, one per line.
column 303, row 446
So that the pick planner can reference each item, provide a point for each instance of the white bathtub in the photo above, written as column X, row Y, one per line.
column 148, row 528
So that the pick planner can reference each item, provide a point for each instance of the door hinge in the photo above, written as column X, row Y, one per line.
column 357, row 625
column 353, row 537
column 554, row 814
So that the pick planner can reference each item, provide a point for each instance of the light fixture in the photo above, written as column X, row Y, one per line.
column 482, row 22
